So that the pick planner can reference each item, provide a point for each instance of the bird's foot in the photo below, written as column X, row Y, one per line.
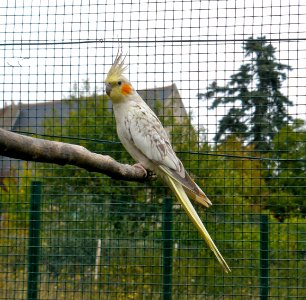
column 142, row 168
column 148, row 173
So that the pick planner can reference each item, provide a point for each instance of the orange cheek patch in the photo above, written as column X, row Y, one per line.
column 126, row 89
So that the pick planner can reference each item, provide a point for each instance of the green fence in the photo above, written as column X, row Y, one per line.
column 227, row 80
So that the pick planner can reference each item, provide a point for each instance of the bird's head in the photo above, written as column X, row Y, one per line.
column 117, row 87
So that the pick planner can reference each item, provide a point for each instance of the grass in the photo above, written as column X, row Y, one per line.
column 131, row 268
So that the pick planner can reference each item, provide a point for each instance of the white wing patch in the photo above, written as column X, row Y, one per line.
column 146, row 139
column 151, row 139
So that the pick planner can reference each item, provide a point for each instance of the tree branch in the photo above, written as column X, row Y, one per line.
column 33, row 149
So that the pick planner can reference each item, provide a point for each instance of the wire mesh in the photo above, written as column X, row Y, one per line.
column 226, row 78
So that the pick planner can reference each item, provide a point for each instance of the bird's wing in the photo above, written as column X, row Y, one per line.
column 149, row 136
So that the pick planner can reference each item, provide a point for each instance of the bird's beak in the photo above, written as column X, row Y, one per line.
column 108, row 88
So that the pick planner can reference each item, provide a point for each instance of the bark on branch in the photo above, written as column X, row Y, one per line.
column 33, row 149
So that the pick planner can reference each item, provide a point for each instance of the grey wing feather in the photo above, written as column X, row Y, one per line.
column 151, row 139
column 149, row 136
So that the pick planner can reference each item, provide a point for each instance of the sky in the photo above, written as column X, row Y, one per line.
column 46, row 47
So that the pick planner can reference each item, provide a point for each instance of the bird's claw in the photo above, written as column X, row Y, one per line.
column 148, row 173
column 142, row 168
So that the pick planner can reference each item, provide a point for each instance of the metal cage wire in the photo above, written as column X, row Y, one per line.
column 226, row 78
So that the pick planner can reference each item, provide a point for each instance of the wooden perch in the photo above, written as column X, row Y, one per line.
column 33, row 149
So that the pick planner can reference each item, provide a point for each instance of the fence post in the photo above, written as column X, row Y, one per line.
column 264, row 257
column 34, row 243
column 167, row 248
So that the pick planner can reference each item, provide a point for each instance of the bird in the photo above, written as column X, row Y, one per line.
column 145, row 139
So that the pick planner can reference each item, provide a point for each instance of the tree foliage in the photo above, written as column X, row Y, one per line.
column 256, row 105
column 287, row 172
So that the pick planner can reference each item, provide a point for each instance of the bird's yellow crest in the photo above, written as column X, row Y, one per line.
column 116, row 69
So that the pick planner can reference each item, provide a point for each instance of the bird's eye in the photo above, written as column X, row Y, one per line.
column 119, row 82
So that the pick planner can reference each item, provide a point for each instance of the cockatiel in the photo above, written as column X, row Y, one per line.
column 144, row 137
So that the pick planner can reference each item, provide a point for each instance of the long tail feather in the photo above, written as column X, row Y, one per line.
column 202, row 199
column 182, row 197
column 191, row 188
